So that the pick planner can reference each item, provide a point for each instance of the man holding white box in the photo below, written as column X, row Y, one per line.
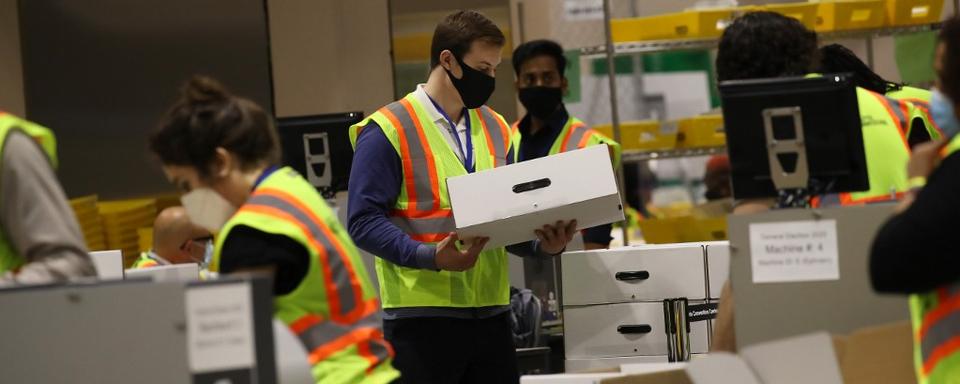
column 445, row 308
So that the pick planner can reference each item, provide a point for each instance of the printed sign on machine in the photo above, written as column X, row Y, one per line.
column 794, row 251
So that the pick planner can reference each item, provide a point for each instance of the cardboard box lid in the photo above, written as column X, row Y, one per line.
column 508, row 204
column 881, row 354
column 501, row 193
column 568, row 378
column 666, row 377
column 796, row 360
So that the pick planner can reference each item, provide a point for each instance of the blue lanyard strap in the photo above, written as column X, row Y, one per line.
column 468, row 156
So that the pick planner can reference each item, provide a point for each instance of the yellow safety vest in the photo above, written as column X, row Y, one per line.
column 9, row 259
column 423, row 208
column 920, row 99
column 334, row 311
column 575, row 135
column 146, row 260
column 935, row 317
column 885, row 128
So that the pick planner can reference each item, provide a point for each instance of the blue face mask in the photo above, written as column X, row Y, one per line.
column 941, row 110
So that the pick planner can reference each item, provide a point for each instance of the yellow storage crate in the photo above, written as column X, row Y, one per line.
column 712, row 229
column 701, row 131
column 839, row 15
column 146, row 238
column 683, row 25
column 805, row 12
column 683, row 229
column 644, row 135
column 122, row 219
column 913, row 12
column 663, row 231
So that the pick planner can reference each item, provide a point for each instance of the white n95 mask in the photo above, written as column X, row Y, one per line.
column 207, row 208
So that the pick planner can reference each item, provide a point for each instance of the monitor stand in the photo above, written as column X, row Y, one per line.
column 787, row 156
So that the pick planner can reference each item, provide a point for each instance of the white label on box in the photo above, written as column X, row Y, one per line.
column 794, row 251
column 581, row 10
column 219, row 327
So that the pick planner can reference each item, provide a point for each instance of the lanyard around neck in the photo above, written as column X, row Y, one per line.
column 468, row 151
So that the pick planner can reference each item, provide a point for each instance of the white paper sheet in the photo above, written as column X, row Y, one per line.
column 219, row 327
column 794, row 251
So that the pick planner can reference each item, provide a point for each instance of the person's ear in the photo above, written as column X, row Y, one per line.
column 449, row 62
column 565, row 85
column 223, row 163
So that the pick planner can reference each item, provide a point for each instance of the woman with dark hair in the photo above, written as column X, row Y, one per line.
column 222, row 151
column 915, row 252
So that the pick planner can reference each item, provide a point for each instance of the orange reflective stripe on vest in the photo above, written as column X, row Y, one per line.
column 323, row 338
column 846, row 199
column 939, row 332
column 899, row 112
column 346, row 305
column 496, row 133
column 419, row 168
column 924, row 108
column 424, row 220
column 427, row 229
column 578, row 131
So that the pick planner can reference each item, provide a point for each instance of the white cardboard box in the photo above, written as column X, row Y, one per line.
column 508, row 203
column 718, row 264
column 173, row 272
column 109, row 264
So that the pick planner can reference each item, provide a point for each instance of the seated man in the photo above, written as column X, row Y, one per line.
column 547, row 128
column 176, row 240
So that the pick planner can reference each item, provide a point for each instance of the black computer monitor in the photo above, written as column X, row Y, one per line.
column 319, row 148
column 815, row 121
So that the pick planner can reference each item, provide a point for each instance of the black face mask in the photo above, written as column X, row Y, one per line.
column 541, row 102
column 475, row 87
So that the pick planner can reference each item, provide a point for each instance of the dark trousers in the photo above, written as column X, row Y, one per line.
column 446, row 350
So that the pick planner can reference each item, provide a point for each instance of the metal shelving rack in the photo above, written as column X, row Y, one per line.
column 611, row 49
column 671, row 153
column 652, row 46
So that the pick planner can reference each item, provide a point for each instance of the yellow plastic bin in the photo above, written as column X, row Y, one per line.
column 684, row 229
column 701, row 131
column 644, row 135
column 145, row 236
column 913, row 12
column 663, row 231
column 683, row 25
column 840, row 15
column 805, row 12
column 712, row 229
